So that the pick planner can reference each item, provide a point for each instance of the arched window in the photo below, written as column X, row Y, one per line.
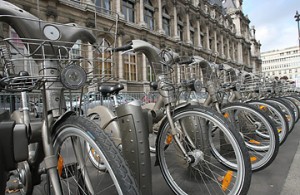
column 130, row 67
column 149, row 14
column 103, row 66
column 150, row 72
column 128, row 10
column 166, row 21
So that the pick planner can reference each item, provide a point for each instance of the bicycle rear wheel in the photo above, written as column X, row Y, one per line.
column 77, row 173
column 217, row 160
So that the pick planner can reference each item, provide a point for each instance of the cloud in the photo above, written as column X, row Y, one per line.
column 274, row 22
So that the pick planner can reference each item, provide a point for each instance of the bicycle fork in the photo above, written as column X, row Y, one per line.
column 175, row 134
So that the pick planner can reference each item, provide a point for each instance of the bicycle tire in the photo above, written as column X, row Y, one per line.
column 275, row 114
column 286, row 108
column 293, row 105
column 76, row 131
column 296, row 100
column 259, row 133
column 211, row 179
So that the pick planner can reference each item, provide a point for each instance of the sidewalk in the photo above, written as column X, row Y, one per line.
column 282, row 177
column 292, row 182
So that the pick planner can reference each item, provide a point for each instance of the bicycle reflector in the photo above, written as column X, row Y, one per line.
column 227, row 180
column 60, row 164
column 73, row 77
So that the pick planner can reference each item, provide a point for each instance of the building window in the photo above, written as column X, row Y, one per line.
column 166, row 21
column 150, row 73
column 183, row 73
column 192, row 33
column 75, row 50
column 129, row 60
column 102, row 5
column 180, row 28
column 128, row 10
column 103, row 66
column 149, row 14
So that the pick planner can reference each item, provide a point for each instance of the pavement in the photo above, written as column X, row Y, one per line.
column 282, row 177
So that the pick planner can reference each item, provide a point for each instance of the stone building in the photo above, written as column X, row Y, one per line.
column 213, row 29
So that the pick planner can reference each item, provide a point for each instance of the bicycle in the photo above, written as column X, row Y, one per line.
column 57, row 145
column 267, row 94
column 249, row 121
column 207, row 157
column 246, row 89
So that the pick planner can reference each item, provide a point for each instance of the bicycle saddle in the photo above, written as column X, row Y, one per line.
column 105, row 90
column 28, row 26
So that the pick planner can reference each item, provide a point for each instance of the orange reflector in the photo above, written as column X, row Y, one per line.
column 227, row 180
column 279, row 130
column 226, row 114
column 252, row 141
column 262, row 107
column 60, row 164
column 93, row 151
column 253, row 158
column 169, row 139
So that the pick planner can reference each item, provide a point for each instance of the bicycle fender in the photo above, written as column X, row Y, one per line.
column 135, row 144
column 61, row 119
column 108, row 122
column 178, row 107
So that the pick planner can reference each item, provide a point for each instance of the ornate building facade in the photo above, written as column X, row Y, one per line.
column 213, row 29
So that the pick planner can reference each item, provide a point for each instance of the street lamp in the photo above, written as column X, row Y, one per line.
column 297, row 17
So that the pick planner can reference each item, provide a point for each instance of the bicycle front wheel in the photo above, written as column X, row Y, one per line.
column 216, row 160
column 259, row 133
column 78, row 174
column 276, row 116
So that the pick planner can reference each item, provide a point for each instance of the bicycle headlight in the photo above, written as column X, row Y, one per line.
column 73, row 77
column 198, row 85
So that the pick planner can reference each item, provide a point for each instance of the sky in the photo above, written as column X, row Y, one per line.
column 274, row 22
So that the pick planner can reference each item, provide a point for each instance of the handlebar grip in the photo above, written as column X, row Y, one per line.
column 123, row 48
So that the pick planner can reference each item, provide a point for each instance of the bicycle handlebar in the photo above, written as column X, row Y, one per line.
column 123, row 48
column 30, row 27
column 187, row 61
column 150, row 51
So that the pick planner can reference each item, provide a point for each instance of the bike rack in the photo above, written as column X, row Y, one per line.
column 135, row 135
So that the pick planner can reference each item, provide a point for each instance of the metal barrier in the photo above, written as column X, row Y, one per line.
column 11, row 101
